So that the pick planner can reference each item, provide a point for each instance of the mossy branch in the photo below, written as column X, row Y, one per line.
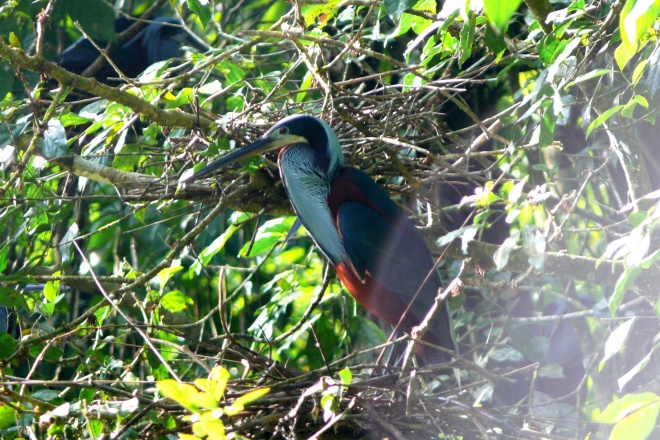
column 169, row 118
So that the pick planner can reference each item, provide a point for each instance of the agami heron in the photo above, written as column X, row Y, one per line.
column 378, row 254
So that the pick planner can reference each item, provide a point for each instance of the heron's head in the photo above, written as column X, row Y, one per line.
column 292, row 130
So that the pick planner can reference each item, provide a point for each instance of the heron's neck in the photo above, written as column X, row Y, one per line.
column 308, row 189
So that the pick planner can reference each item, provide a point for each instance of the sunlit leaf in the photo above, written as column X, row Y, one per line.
column 176, row 301
column 269, row 234
column 7, row 416
column 633, row 416
column 623, row 54
column 186, row 395
column 213, row 426
column 184, row 97
column 166, row 274
column 517, row 190
column 615, row 341
column 596, row 73
column 251, row 396
column 602, row 118
column 624, row 282
column 218, row 382
column 346, row 376
column 623, row 380
column 636, row 19
column 501, row 256
column 499, row 12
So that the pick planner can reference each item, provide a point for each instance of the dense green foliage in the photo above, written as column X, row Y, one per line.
column 521, row 136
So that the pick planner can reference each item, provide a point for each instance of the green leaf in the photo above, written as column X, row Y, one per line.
column 55, row 143
column 7, row 345
column 12, row 298
column 499, row 12
column 102, row 313
column 322, row 345
column 251, row 396
column 232, row 71
column 639, row 71
column 203, row 12
column 451, row 236
column 395, row 8
column 218, row 382
column 629, row 109
column 305, row 85
column 268, row 235
column 626, row 280
column 7, row 77
column 216, row 246
column 623, row 54
column 7, row 416
column 66, row 245
column 96, row 427
column 328, row 402
column 634, row 416
column 184, row 97
column 51, row 290
column 547, row 125
column 531, row 345
column 420, row 24
column 550, row 48
column 638, row 425
column 176, row 301
column 634, row 371
column 186, row 395
column 166, row 274
column 636, row 18
column 602, row 118
column 235, row 103
column 615, row 341
column 587, row 76
column 641, row 101
column 70, row 118
column 325, row 11
column 96, row 17
column 577, row 5
column 501, row 256
column 517, row 190
column 346, row 376
column 494, row 40
column 623, row 407
column 467, row 37
column 212, row 426
column 53, row 354
column 4, row 257
column 128, row 160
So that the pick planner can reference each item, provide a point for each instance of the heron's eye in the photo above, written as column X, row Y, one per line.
column 284, row 130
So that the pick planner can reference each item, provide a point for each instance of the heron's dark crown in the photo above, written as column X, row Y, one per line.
column 320, row 137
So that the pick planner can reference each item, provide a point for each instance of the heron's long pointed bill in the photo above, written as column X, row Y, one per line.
column 262, row 145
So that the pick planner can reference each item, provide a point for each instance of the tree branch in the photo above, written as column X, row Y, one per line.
column 169, row 118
